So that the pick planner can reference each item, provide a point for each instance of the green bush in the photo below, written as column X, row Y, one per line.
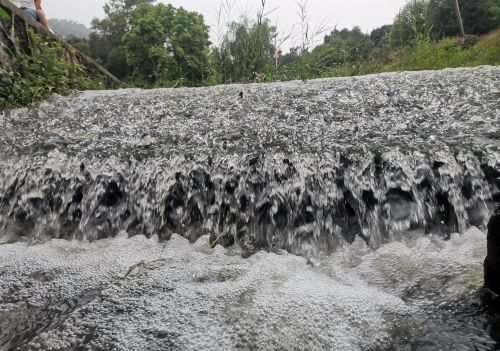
column 41, row 74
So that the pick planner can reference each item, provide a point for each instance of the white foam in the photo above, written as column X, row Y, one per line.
column 178, row 295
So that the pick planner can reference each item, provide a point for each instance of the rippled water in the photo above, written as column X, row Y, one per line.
column 141, row 294
column 312, row 216
column 419, row 111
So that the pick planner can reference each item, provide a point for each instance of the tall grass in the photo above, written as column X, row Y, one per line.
column 426, row 55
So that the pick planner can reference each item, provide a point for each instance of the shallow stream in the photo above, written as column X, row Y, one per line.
column 344, row 214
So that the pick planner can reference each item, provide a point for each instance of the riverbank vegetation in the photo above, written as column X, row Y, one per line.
column 423, row 54
column 155, row 45
column 35, row 77
column 148, row 44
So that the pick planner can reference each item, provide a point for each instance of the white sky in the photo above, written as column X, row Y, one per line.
column 368, row 14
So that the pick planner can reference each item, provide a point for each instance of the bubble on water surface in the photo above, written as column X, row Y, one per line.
column 141, row 294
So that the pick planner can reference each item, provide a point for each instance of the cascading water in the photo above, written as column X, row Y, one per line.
column 392, row 164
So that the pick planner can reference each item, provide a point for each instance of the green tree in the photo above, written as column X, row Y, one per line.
column 167, row 44
column 380, row 36
column 434, row 19
column 410, row 24
column 247, row 47
column 106, row 42
column 291, row 56
column 479, row 16
column 344, row 46
column 80, row 44
column 190, row 42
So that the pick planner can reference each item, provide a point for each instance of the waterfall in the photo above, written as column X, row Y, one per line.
column 304, row 167
column 341, row 214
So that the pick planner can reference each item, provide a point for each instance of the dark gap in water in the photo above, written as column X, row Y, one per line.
column 491, row 175
column 369, row 199
column 446, row 218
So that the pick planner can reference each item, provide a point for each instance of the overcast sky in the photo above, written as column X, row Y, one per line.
column 367, row 14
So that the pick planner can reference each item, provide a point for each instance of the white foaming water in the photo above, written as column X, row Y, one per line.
column 422, row 267
column 137, row 294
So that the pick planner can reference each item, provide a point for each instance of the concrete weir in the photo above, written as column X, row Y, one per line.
column 16, row 41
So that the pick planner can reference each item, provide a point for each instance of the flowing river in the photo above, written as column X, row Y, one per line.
column 336, row 214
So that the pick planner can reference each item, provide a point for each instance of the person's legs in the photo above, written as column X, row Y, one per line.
column 31, row 12
column 38, row 15
column 42, row 19
column 41, row 14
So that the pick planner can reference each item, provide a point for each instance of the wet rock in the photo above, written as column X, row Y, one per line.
column 146, row 142
column 233, row 136
column 490, row 294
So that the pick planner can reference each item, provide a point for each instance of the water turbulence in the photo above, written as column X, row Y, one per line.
column 340, row 214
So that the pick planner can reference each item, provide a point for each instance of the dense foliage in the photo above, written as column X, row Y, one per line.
column 410, row 43
column 480, row 16
column 437, row 19
column 41, row 74
column 427, row 55
column 149, row 44
column 165, row 45
column 105, row 43
column 246, row 48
